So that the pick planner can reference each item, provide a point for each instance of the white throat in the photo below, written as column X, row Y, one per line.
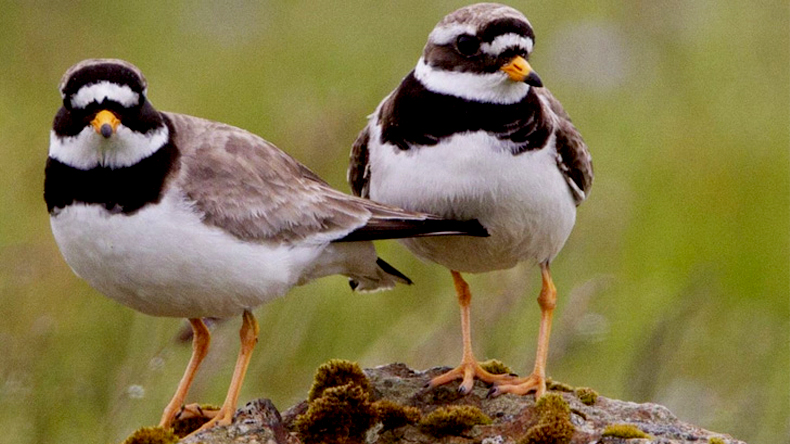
column 88, row 149
column 493, row 87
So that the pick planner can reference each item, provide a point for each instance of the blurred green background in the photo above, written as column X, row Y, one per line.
column 673, row 287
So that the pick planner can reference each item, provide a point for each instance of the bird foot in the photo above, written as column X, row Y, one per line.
column 196, row 411
column 221, row 417
column 521, row 386
column 467, row 372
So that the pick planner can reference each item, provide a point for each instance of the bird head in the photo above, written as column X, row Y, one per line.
column 106, row 118
column 480, row 53
column 103, row 92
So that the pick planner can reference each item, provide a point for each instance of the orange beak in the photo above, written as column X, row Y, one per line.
column 105, row 123
column 519, row 71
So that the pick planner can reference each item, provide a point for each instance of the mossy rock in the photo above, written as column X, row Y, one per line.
column 152, row 435
column 496, row 367
column 554, row 424
column 393, row 415
column 336, row 373
column 624, row 431
column 453, row 420
column 557, row 386
column 586, row 395
column 341, row 415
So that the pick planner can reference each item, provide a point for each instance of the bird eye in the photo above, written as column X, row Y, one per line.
column 467, row 45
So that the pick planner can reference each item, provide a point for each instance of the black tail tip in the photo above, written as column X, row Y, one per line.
column 475, row 228
column 389, row 269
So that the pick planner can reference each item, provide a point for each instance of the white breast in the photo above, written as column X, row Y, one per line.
column 522, row 200
column 164, row 261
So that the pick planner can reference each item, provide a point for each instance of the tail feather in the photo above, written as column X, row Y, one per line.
column 387, row 277
column 386, row 228
column 392, row 271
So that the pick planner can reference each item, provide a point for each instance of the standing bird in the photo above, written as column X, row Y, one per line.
column 173, row 215
column 471, row 133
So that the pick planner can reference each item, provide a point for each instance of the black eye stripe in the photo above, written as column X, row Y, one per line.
column 467, row 45
column 142, row 119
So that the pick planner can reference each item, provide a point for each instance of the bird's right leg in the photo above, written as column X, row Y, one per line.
column 200, row 344
column 470, row 368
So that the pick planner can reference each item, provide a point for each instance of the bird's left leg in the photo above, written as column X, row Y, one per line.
column 537, row 380
column 249, row 337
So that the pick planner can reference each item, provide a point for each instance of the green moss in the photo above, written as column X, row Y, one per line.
column 496, row 367
column 554, row 424
column 336, row 373
column 341, row 415
column 716, row 440
column 393, row 415
column 624, row 431
column 453, row 420
column 586, row 395
column 152, row 435
column 558, row 386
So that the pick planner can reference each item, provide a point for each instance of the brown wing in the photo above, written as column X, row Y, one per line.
column 358, row 174
column 248, row 187
column 573, row 159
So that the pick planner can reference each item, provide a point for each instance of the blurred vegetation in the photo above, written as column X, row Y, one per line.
column 673, row 287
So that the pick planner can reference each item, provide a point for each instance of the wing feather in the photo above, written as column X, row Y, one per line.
column 573, row 157
column 358, row 175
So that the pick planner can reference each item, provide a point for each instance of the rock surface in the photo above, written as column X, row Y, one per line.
column 512, row 417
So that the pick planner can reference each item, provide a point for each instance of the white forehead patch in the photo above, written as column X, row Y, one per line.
column 445, row 35
column 495, row 87
column 97, row 92
column 505, row 41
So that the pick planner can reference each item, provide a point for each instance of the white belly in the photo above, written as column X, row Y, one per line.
column 523, row 200
column 163, row 261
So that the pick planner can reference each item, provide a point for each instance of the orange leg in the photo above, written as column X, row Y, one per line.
column 537, row 380
column 200, row 343
column 249, row 337
column 469, row 369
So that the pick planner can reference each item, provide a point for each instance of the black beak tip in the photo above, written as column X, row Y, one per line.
column 534, row 80
column 106, row 130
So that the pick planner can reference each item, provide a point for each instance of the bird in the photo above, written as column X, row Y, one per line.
column 177, row 216
column 471, row 133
